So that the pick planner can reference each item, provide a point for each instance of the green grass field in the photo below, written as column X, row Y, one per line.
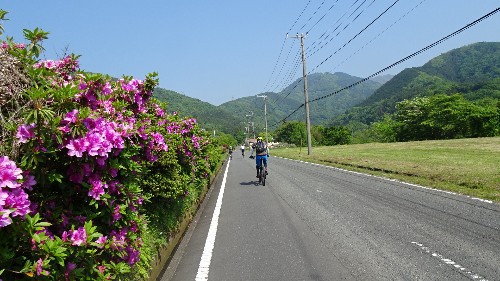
column 466, row 166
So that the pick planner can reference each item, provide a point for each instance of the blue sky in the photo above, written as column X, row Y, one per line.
column 217, row 51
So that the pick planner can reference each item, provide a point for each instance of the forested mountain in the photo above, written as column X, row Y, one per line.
column 473, row 71
column 231, row 117
column 209, row 116
column 382, row 79
column 280, row 105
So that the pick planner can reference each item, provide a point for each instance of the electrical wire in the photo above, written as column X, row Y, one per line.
column 320, row 5
column 396, row 63
column 320, row 19
column 283, row 44
column 378, row 35
column 352, row 13
column 345, row 27
column 294, row 68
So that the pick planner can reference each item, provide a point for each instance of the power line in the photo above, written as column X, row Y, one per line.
column 382, row 32
column 352, row 13
column 350, row 40
column 294, row 68
column 289, row 30
column 276, row 63
column 320, row 19
column 398, row 62
column 313, row 45
column 283, row 65
column 346, row 26
column 283, row 44
column 320, row 5
column 355, row 37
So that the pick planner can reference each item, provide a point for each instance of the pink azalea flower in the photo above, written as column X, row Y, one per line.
column 159, row 112
column 117, row 243
column 4, row 217
column 19, row 201
column 29, row 181
column 78, row 237
column 116, row 213
column 9, row 173
column 127, row 87
column 101, row 268
column 107, row 90
column 77, row 147
column 3, row 197
column 71, row 266
column 108, row 107
column 101, row 241
column 39, row 268
column 89, row 123
column 113, row 172
column 97, row 190
column 94, row 146
column 71, row 116
column 82, row 86
column 133, row 256
column 64, row 236
column 25, row 132
column 64, row 129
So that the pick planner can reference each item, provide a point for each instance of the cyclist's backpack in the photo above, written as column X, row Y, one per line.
column 260, row 147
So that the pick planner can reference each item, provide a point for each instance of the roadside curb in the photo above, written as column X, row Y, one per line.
column 165, row 254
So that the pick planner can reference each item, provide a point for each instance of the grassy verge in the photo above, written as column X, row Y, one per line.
column 466, row 166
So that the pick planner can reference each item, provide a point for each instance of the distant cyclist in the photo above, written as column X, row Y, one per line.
column 242, row 150
column 260, row 154
column 230, row 152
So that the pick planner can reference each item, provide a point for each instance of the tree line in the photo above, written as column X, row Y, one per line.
column 421, row 118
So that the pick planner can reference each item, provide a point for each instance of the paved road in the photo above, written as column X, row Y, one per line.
column 312, row 222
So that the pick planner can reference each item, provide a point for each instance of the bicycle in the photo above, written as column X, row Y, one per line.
column 262, row 173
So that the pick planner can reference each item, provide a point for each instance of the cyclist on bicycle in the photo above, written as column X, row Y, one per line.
column 260, row 154
column 230, row 152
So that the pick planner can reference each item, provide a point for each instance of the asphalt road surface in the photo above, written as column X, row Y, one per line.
column 312, row 222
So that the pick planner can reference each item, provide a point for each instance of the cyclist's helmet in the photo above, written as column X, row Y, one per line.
column 259, row 138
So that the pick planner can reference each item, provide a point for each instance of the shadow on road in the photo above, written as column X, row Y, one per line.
column 254, row 183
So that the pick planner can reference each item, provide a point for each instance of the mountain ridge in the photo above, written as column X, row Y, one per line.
column 464, row 70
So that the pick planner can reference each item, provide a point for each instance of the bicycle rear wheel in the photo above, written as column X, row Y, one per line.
column 260, row 175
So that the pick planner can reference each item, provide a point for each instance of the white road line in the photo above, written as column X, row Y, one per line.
column 462, row 269
column 395, row 180
column 206, row 257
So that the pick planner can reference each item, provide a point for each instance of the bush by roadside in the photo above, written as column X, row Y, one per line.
column 89, row 167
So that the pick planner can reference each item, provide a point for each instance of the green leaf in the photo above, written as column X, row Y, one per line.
column 55, row 177
column 43, row 224
column 36, row 237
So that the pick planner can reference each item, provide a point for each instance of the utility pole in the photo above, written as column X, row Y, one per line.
column 306, row 97
column 265, row 114
column 248, row 122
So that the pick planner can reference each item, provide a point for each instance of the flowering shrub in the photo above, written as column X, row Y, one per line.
column 92, row 151
column 13, row 199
